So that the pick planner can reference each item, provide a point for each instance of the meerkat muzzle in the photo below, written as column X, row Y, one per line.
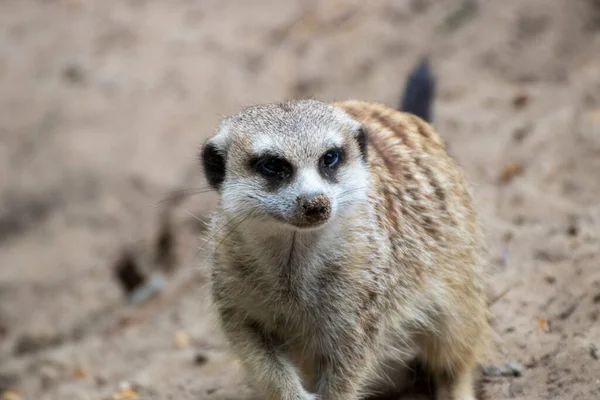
column 313, row 209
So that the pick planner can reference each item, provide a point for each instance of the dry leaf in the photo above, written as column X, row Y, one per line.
column 81, row 373
column 510, row 170
column 544, row 325
column 125, row 394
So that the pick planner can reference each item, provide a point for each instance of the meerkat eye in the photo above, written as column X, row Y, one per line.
column 274, row 166
column 332, row 158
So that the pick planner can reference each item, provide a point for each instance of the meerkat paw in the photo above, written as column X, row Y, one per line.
column 310, row 396
column 304, row 395
column 459, row 387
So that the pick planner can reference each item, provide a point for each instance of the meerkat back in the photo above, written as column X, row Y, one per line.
column 434, row 234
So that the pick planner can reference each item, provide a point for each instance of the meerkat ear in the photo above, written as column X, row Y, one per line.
column 213, row 163
column 362, row 139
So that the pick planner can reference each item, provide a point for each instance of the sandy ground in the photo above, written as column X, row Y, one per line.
column 103, row 107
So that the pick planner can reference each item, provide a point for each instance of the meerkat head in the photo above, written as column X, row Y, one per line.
column 299, row 164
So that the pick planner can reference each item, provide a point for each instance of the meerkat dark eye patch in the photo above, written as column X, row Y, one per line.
column 213, row 163
column 276, row 170
column 330, row 161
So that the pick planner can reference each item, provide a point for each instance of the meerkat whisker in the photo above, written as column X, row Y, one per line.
column 231, row 221
column 182, row 194
column 211, row 238
column 232, row 231
column 191, row 214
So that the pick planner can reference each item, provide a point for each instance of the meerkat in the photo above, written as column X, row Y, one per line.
column 345, row 238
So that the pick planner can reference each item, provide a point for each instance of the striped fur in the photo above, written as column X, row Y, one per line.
column 396, row 274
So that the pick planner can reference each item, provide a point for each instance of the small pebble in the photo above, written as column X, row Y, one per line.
column 521, row 100
column 512, row 369
column 521, row 133
column 572, row 230
column 182, row 340
column 532, row 363
column 151, row 288
column 200, row 359
column 515, row 368
column 73, row 73
column 100, row 380
column 491, row 371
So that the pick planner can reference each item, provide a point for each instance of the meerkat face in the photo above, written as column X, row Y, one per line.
column 300, row 164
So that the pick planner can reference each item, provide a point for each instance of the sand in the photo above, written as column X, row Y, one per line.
column 104, row 106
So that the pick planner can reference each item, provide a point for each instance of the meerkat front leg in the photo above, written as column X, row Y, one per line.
column 452, row 360
column 271, row 372
column 343, row 372
column 451, row 367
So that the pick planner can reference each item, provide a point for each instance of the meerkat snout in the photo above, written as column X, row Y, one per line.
column 313, row 209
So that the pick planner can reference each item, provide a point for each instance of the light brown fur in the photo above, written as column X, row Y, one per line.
column 401, row 277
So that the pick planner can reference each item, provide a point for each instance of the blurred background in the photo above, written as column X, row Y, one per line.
column 104, row 106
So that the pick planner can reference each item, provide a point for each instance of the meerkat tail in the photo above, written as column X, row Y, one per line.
column 419, row 92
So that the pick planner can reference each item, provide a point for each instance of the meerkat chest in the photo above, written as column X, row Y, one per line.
column 287, row 287
column 292, row 293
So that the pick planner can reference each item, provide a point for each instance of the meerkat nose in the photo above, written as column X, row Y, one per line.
column 314, row 207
